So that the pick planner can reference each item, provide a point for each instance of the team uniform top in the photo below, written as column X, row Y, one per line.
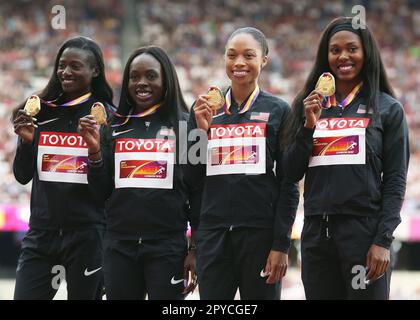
column 243, row 181
column 56, row 161
column 147, row 197
column 354, row 163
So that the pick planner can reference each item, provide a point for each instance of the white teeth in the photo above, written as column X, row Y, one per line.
column 345, row 68
column 239, row 73
column 143, row 94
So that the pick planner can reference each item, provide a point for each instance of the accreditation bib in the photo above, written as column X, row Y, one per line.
column 236, row 149
column 62, row 157
column 144, row 163
column 339, row 141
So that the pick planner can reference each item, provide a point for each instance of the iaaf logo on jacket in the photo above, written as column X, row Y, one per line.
column 144, row 145
column 341, row 123
column 61, row 139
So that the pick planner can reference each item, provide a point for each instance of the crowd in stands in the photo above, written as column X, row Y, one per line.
column 194, row 36
column 28, row 46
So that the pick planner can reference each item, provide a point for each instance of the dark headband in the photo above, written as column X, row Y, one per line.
column 347, row 26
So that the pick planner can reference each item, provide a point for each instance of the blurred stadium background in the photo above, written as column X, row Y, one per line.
column 194, row 33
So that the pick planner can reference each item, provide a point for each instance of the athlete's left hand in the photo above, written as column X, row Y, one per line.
column 276, row 266
column 190, row 274
column 89, row 130
column 377, row 261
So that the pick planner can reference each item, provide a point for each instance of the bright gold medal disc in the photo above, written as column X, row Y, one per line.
column 216, row 99
column 33, row 106
column 98, row 112
column 326, row 84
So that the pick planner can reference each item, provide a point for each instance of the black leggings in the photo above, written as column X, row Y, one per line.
column 230, row 260
column 152, row 267
column 334, row 250
column 47, row 257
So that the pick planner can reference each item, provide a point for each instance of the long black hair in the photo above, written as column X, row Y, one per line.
column 173, row 103
column 373, row 75
column 100, row 87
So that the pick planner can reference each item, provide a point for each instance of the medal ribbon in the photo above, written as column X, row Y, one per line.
column 331, row 101
column 248, row 104
column 71, row 103
column 142, row 114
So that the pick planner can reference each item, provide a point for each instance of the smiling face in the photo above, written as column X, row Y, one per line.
column 75, row 72
column 244, row 59
column 145, row 83
column 346, row 57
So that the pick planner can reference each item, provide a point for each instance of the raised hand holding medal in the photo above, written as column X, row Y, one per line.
column 326, row 87
column 206, row 106
column 313, row 103
column 89, row 129
column 23, row 123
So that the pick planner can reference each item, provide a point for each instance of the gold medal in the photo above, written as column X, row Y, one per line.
column 216, row 99
column 98, row 112
column 326, row 84
column 33, row 106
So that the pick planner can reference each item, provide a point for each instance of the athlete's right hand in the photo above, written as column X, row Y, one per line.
column 89, row 130
column 203, row 113
column 276, row 266
column 312, row 104
column 24, row 126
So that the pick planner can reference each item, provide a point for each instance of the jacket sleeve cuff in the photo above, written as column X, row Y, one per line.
column 281, row 245
column 96, row 169
column 306, row 133
column 383, row 240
